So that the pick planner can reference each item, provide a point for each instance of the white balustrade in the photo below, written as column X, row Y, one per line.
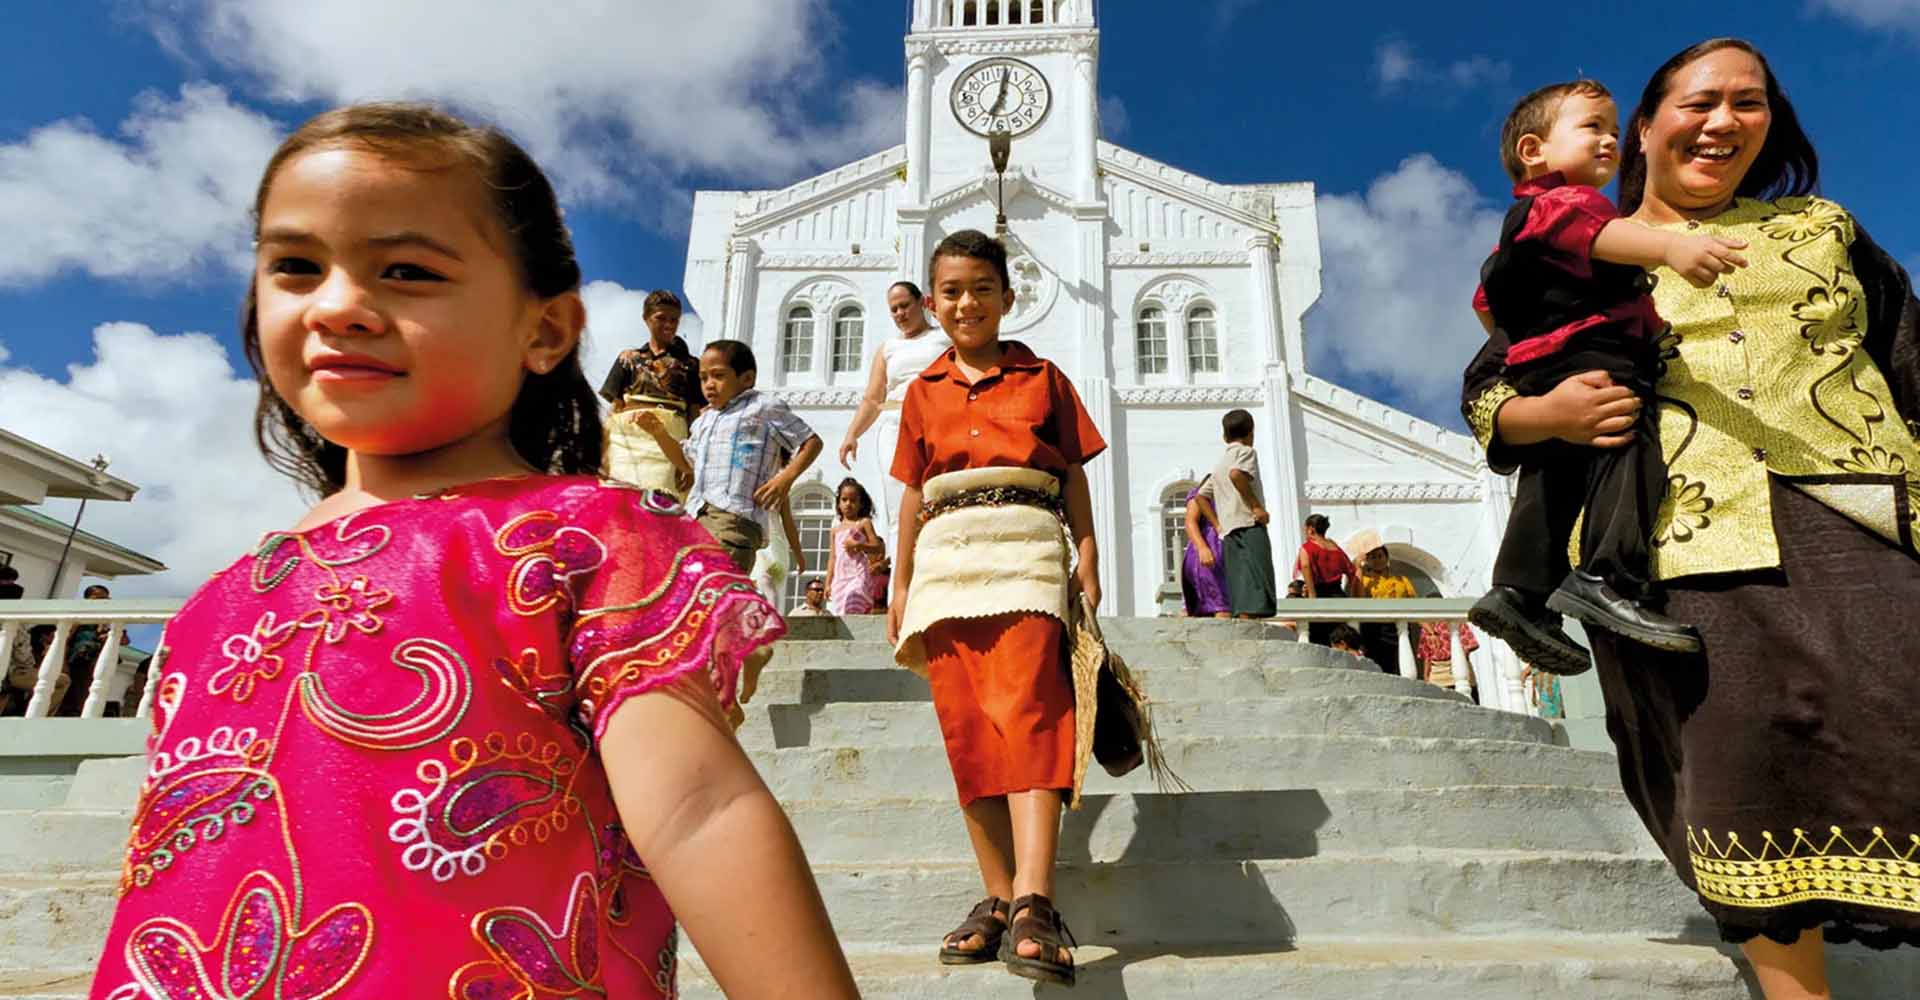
column 17, row 618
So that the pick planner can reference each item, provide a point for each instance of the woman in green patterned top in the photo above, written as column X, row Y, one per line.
column 1789, row 747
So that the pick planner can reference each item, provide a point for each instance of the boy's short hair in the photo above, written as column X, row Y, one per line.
column 977, row 245
column 1534, row 115
column 659, row 299
column 1344, row 635
column 737, row 355
column 1236, row 425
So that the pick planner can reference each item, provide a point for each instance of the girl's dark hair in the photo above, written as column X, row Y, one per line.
column 1319, row 524
column 977, row 245
column 912, row 289
column 737, row 354
column 1787, row 164
column 865, row 507
column 555, row 421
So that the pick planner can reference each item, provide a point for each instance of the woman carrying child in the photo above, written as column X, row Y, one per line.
column 992, row 444
column 849, row 576
column 461, row 730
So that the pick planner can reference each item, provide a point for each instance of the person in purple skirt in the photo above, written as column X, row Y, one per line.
column 1203, row 573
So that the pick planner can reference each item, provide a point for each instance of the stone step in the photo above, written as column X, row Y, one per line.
column 914, row 724
column 63, row 841
column 1273, row 903
column 28, row 791
column 786, row 684
column 1245, row 826
column 42, row 984
column 1213, row 765
column 61, row 920
column 1118, row 631
column 834, row 654
column 1578, row 967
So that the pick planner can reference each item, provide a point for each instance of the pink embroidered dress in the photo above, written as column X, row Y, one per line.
column 374, row 766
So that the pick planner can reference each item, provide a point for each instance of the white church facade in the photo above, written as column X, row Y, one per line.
column 1167, row 298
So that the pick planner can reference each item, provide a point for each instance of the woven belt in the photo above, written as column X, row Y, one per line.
column 996, row 496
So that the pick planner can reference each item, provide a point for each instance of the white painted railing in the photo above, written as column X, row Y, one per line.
column 17, row 617
column 1497, row 668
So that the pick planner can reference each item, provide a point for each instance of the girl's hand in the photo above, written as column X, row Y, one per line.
column 896, row 613
column 1087, row 581
column 852, row 544
column 1206, row 556
column 849, row 450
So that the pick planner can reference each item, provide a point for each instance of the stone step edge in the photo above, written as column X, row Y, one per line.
column 89, row 878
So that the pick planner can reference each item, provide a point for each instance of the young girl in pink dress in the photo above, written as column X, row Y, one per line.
column 459, row 733
column 849, row 574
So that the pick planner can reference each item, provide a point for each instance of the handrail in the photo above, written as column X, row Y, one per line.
column 1499, row 669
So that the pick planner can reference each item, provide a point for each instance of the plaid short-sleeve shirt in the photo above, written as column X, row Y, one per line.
column 735, row 449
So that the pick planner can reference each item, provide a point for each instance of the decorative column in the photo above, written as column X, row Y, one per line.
column 743, row 267
column 919, row 113
column 912, row 225
column 1408, row 667
column 1281, row 442
column 1097, row 394
column 1266, row 300
column 1086, row 97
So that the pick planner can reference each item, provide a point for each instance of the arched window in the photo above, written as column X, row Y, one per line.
column 993, row 11
column 1173, row 529
column 946, row 21
column 1150, row 341
column 1037, row 12
column 813, row 517
column 971, row 15
column 1013, row 11
column 1060, row 8
column 1203, row 341
column 849, row 339
column 796, row 345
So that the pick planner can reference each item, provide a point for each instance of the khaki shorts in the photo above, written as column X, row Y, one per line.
column 740, row 536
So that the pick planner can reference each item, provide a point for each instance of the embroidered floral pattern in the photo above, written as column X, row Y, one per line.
column 1684, row 512
column 1829, row 320
column 352, row 607
column 1875, row 461
column 259, row 951
column 1880, row 872
column 531, row 959
column 494, row 797
column 550, row 557
column 251, row 657
column 1800, row 226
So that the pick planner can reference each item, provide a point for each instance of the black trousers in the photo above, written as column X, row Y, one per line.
column 1619, row 488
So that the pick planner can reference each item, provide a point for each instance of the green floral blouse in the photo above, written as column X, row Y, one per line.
column 1805, row 366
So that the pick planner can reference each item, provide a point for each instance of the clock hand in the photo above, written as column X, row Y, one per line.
column 1000, row 98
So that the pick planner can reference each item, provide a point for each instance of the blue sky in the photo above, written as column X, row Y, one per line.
column 131, row 134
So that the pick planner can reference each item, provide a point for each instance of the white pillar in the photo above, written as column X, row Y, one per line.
column 743, row 264
column 1097, row 394
column 1281, row 443
column 912, row 224
column 1266, row 301
column 1462, row 670
column 919, row 113
column 1086, row 97
column 1408, row 668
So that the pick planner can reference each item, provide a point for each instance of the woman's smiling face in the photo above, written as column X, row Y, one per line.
column 1709, row 128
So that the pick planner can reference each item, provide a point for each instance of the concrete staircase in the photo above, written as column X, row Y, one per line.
column 1351, row 835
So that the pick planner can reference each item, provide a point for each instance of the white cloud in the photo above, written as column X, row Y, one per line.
column 1902, row 14
column 1396, row 64
column 167, row 197
column 1401, row 262
column 175, row 416
column 616, row 99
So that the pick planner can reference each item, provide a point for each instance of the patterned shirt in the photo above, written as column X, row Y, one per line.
column 1804, row 365
column 375, row 768
column 736, row 449
column 671, row 376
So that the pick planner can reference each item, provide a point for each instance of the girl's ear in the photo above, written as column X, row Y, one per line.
column 556, row 331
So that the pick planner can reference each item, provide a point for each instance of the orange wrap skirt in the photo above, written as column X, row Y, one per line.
column 1005, row 702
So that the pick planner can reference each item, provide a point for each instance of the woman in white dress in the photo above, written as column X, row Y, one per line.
column 895, row 363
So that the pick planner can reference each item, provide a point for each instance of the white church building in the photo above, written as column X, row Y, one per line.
column 1168, row 298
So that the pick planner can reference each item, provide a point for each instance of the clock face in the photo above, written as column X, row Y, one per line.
column 1001, row 95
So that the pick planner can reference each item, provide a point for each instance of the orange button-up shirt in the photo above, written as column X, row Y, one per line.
column 1022, row 414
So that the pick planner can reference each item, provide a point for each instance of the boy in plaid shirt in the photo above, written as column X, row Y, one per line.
column 735, row 446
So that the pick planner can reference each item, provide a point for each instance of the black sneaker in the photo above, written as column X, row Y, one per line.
column 1534, row 635
column 1587, row 598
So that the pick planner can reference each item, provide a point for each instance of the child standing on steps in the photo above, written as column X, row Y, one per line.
column 1234, row 490
column 992, row 444
column 460, row 731
column 849, row 577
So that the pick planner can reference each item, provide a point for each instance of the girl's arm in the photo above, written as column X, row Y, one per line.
column 1194, row 537
column 832, row 540
column 875, row 547
column 793, row 537
column 869, row 410
column 719, row 847
column 1207, row 511
column 903, row 561
column 1080, row 523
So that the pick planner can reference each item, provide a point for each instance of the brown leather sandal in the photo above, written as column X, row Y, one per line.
column 989, row 920
column 1038, row 921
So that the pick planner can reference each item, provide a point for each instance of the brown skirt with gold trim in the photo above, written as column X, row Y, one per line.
column 1780, row 769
